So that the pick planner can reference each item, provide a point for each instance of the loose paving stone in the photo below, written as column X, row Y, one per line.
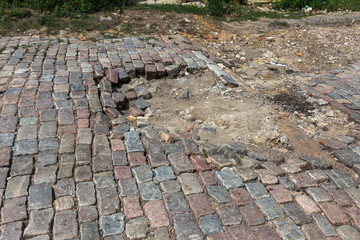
column 39, row 222
column 65, row 225
column 319, row 194
column 240, row 196
column 142, row 174
column 149, row 191
column 136, row 228
column 64, row 203
column 200, row 204
column 229, row 214
column 341, row 180
column 164, row 174
column 210, row 224
column 175, row 203
column 228, row 178
column 133, row 142
column 324, row 225
column 311, row 231
column 180, row 163
column 107, row 201
column 307, row 204
column 112, row 224
column 85, row 192
column 256, row 190
column 40, row 196
column 348, row 232
column 296, row 213
column 239, row 232
column 88, row 214
column 334, row 213
column 190, row 184
column 218, row 193
column 17, row 186
column 288, row 230
column 186, row 227
column 170, row 186
column 89, row 231
column 13, row 210
column 270, row 208
column 316, row 163
column 11, row 231
column 128, row 187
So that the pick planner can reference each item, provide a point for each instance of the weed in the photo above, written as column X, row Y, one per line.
column 2, row 50
column 127, row 28
column 20, row 13
column 16, row 47
column 177, row 8
column 279, row 24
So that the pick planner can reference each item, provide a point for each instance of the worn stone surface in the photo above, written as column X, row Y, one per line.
column 186, row 227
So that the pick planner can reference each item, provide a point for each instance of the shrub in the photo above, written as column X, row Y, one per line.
column 318, row 4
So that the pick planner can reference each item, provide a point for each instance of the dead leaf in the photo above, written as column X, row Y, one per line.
column 298, row 53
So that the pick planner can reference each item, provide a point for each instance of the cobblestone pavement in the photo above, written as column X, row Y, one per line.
column 74, row 166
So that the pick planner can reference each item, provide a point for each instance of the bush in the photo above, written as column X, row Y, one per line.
column 219, row 8
column 318, row 4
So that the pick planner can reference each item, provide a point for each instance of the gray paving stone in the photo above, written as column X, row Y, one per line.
column 40, row 196
column 341, row 180
column 348, row 232
column 175, row 203
column 170, row 186
column 102, row 163
column 6, row 139
column 104, row 180
column 228, row 178
column 319, row 194
column 270, row 208
column 39, row 222
column 133, row 142
column 186, row 227
column 67, row 144
column 3, row 176
column 210, row 224
column 65, row 225
column 26, row 132
column 171, row 148
column 88, row 214
column 149, row 191
column 101, row 145
column 257, row 190
column 28, row 121
column 189, row 146
column 190, row 184
column 64, row 203
column 347, row 156
column 128, row 187
column 83, row 154
column 112, row 224
column 180, row 163
column 89, row 231
column 288, row 230
column 47, row 158
column 354, row 194
column 26, row 147
column 316, row 163
column 119, row 158
column 47, row 115
column 296, row 213
column 287, row 183
column 229, row 214
column 142, row 174
column 164, row 173
column 137, row 228
column 22, row 165
column 67, row 163
column 17, row 186
column 161, row 234
column 85, row 192
column 47, row 130
column 157, row 159
column 218, row 193
column 47, row 144
column 84, row 136
column 65, row 116
column 107, row 201
column 45, row 174
column 324, row 225
column 12, row 231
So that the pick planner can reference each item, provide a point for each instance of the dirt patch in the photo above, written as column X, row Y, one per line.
column 293, row 102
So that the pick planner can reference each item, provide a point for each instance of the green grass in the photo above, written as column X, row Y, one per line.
column 279, row 24
column 353, row 5
column 2, row 50
column 177, row 8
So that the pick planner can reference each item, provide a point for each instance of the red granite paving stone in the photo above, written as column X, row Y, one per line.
column 265, row 232
column 307, row 204
column 334, row 213
column 208, row 178
column 156, row 213
column 318, row 175
column 26, row 101
column 273, row 168
column 117, row 145
column 300, row 163
column 122, row 172
column 130, row 95
column 45, row 87
column 354, row 213
column 240, row 196
column 303, row 180
column 83, row 123
column 5, row 155
column 279, row 193
column 276, row 158
column 219, row 236
column 82, row 113
column 200, row 204
column 252, row 215
column 241, row 232
column 199, row 163
column 340, row 197
column 132, row 208
column 10, row 99
column 323, row 88
column 312, row 232
column 136, row 159
column 332, row 238
column 66, row 129
column 333, row 144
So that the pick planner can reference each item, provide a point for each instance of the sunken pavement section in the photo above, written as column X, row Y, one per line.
column 75, row 165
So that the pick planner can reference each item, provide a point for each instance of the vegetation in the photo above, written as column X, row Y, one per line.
column 353, row 5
